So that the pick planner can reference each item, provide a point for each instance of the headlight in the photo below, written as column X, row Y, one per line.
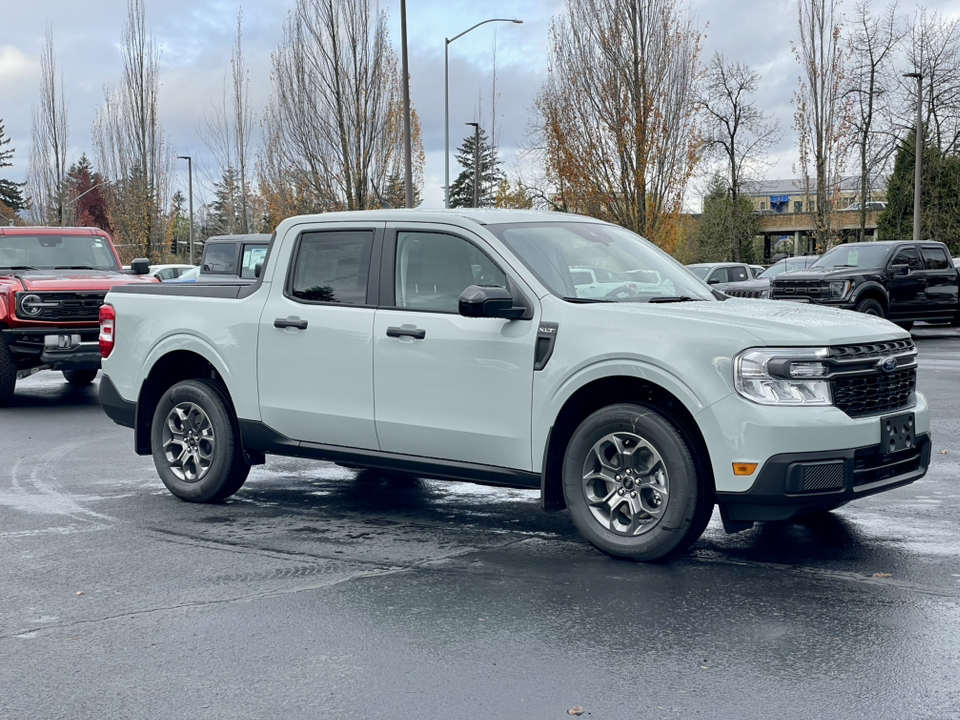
column 840, row 288
column 32, row 305
column 783, row 376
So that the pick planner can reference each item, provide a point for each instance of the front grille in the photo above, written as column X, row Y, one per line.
column 735, row 292
column 72, row 307
column 873, row 394
column 870, row 466
column 798, row 288
column 862, row 387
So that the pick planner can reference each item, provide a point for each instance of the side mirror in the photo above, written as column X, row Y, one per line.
column 257, row 269
column 900, row 269
column 140, row 266
column 713, row 281
column 488, row 301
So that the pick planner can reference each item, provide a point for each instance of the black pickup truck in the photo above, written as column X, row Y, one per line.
column 902, row 281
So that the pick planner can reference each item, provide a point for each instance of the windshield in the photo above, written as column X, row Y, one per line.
column 50, row 252
column 589, row 261
column 785, row 265
column 854, row 255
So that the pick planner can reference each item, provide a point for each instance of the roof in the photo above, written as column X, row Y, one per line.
column 479, row 216
column 47, row 230
column 794, row 186
column 247, row 237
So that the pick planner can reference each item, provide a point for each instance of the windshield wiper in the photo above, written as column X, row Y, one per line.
column 586, row 300
column 674, row 299
column 18, row 267
column 75, row 267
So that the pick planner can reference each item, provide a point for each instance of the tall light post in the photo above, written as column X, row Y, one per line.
column 476, row 163
column 407, row 140
column 190, row 193
column 446, row 102
column 919, row 156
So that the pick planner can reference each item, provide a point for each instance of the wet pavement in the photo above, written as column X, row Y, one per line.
column 319, row 592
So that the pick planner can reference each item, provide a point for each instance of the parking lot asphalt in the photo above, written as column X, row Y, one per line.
column 320, row 592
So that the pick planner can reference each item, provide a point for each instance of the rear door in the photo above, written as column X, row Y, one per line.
column 315, row 355
column 941, row 280
column 447, row 386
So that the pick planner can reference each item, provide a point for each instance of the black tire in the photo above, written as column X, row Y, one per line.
column 956, row 321
column 8, row 373
column 80, row 377
column 905, row 324
column 869, row 306
column 624, row 525
column 195, row 417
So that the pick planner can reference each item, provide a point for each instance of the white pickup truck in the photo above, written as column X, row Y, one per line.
column 456, row 346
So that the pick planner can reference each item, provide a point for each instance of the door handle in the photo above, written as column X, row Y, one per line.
column 415, row 333
column 290, row 322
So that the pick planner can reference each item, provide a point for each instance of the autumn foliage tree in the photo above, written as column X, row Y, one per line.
column 615, row 119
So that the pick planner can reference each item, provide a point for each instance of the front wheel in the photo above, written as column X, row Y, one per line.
column 196, row 443
column 869, row 306
column 632, row 486
column 8, row 373
column 79, row 377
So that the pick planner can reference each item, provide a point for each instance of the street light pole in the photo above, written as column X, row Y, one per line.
column 407, row 142
column 446, row 102
column 476, row 163
column 190, row 193
column 919, row 156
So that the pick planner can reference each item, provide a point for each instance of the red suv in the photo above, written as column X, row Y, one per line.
column 52, row 283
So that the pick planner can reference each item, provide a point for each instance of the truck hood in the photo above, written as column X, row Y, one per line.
column 751, row 285
column 772, row 322
column 68, row 280
column 827, row 273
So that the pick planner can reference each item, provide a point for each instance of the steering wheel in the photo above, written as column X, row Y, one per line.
column 621, row 292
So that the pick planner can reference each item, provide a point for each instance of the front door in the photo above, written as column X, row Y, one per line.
column 315, row 354
column 448, row 386
column 907, row 291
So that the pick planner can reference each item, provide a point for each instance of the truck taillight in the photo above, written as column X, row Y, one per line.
column 108, row 318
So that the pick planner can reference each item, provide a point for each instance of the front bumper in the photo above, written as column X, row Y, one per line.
column 739, row 431
column 56, row 349
column 793, row 484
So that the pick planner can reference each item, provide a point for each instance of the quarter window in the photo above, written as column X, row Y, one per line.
column 935, row 258
column 332, row 267
column 433, row 270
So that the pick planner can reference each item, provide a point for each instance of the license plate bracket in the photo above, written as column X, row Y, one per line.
column 897, row 432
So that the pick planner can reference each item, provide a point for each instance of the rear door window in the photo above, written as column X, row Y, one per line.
column 331, row 267
column 252, row 256
column 935, row 258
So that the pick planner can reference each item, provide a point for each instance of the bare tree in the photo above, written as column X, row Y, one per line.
column 821, row 111
column 130, row 145
column 738, row 131
column 870, row 86
column 934, row 51
column 615, row 119
column 228, row 134
column 47, row 170
column 334, row 131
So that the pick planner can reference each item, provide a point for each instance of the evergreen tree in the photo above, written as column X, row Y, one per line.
column 225, row 213
column 10, row 193
column 461, row 191
column 939, row 196
column 725, row 234
column 394, row 192
column 180, row 224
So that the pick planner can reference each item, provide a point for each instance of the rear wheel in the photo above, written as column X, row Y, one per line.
column 8, row 373
column 196, row 443
column 869, row 306
column 631, row 484
column 905, row 324
column 79, row 377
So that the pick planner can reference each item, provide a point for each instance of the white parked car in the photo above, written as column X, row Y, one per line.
column 169, row 272
column 461, row 347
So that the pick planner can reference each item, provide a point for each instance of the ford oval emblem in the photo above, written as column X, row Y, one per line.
column 887, row 364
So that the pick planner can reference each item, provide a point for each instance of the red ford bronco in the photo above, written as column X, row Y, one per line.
column 52, row 283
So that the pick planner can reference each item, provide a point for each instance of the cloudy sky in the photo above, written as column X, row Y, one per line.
column 196, row 38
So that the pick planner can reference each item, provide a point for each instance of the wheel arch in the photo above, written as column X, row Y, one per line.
column 873, row 292
column 171, row 368
column 611, row 390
